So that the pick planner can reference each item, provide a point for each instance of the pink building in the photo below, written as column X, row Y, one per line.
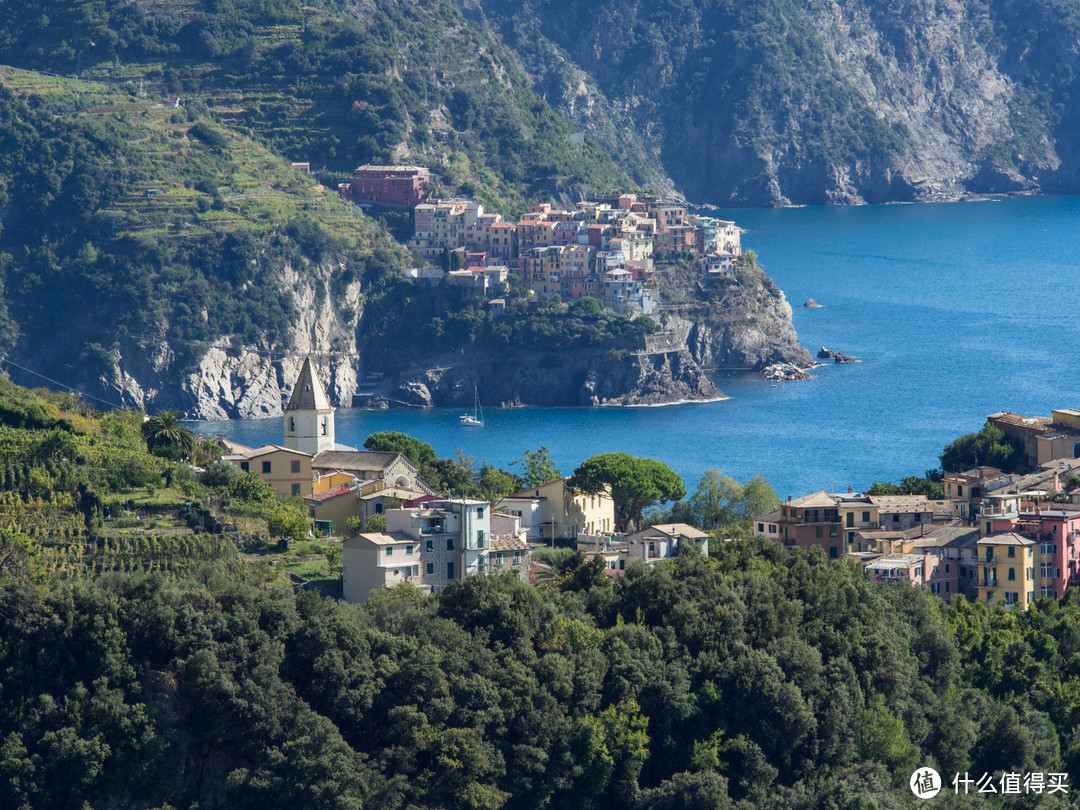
column 1056, row 559
column 396, row 186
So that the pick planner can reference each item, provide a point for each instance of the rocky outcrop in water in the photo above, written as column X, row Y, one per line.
column 785, row 371
column 835, row 356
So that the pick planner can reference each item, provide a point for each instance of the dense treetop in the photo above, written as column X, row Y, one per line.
column 760, row 678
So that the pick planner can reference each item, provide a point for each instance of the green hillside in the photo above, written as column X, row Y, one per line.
column 127, row 216
column 330, row 83
column 761, row 678
column 773, row 101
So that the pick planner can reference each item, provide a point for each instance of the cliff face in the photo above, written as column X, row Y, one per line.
column 744, row 324
column 773, row 102
column 583, row 378
column 749, row 327
column 751, row 331
column 236, row 381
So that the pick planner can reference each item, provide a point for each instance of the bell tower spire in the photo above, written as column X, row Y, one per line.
column 309, row 416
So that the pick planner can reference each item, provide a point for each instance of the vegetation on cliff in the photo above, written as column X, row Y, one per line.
column 772, row 101
column 127, row 219
column 404, row 319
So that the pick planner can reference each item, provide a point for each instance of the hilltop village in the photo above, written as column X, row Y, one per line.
column 992, row 536
column 604, row 249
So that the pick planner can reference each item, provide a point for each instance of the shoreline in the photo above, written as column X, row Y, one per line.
column 720, row 398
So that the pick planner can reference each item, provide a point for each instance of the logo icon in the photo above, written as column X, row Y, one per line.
column 925, row 783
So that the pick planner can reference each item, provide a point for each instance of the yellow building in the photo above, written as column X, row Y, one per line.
column 552, row 510
column 857, row 514
column 1007, row 569
column 287, row 471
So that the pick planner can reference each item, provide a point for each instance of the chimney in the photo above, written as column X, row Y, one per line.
column 850, row 490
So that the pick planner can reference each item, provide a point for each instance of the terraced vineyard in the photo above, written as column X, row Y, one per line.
column 176, row 183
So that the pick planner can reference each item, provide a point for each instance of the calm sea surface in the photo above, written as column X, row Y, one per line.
column 955, row 311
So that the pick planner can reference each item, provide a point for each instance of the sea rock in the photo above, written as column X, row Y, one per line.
column 836, row 357
column 812, row 304
column 413, row 393
column 784, row 371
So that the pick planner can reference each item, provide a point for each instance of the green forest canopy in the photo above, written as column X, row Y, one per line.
column 760, row 678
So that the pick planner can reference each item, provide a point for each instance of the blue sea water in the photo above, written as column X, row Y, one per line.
column 955, row 310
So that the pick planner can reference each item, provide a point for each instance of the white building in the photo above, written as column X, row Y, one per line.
column 432, row 546
column 309, row 416
column 378, row 560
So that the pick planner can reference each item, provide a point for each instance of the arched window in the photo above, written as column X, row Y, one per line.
column 1076, row 450
column 324, row 426
column 292, row 425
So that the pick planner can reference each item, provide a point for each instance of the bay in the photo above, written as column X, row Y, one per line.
column 955, row 311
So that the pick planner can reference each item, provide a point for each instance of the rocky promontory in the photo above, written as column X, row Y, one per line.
column 744, row 325
column 613, row 377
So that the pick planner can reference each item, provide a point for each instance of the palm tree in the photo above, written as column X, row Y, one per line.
column 165, row 431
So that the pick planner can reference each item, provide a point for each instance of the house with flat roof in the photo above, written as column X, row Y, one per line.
column 812, row 520
column 907, row 568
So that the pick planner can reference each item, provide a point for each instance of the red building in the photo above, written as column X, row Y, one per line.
column 396, row 186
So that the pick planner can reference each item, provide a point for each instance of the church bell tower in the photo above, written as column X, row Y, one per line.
column 309, row 416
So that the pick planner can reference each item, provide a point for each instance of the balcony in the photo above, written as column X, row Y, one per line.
column 812, row 518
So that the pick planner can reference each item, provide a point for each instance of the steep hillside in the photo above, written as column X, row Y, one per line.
column 144, row 247
column 774, row 102
column 155, row 258
column 333, row 83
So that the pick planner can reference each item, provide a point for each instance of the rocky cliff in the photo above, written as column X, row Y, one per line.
column 752, row 331
column 616, row 377
column 231, row 379
column 742, row 323
column 749, row 327
column 773, row 102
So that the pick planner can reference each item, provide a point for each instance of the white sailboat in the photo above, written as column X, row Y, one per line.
column 476, row 418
